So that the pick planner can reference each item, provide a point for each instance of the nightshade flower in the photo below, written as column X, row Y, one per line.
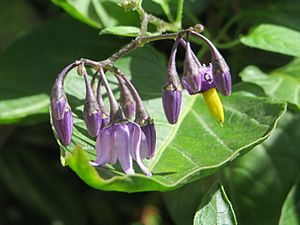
column 172, row 95
column 220, row 69
column 120, row 140
column 91, row 110
column 60, row 109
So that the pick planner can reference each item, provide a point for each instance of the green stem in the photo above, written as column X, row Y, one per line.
column 228, row 44
column 179, row 13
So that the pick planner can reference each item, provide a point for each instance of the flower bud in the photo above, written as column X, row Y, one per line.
column 172, row 96
column 61, row 114
column 214, row 104
column 127, row 102
column 91, row 110
column 172, row 103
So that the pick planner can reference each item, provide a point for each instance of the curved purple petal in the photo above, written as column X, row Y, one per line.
column 135, row 144
column 93, row 122
column 150, row 133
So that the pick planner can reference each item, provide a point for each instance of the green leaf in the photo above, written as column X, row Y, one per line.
column 196, row 147
column 122, row 31
column 290, row 214
column 273, row 38
column 26, row 79
column 259, row 182
column 81, row 10
column 215, row 208
column 282, row 84
column 99, row 13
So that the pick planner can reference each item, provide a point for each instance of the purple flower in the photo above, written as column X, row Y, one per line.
column 150, row 138
column 172, row 104
column 120, row 142
column 62, row 119
column 204, row 78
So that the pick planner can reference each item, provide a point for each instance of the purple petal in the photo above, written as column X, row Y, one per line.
column 135, row 144
column 105, row 147
column 192, row 84
column 223, row 83
column 172, row 104
column 122, row 146
column 64, row 127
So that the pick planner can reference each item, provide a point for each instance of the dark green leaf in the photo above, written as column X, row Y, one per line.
column 196, row 147
column 29, row 67
column 273, row 38
column 290, row 214
column 258, row 183
column 283, row 84
column 215, row 208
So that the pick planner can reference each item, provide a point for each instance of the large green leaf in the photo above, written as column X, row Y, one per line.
column 283, row 84
column 215, row 208
column 259, row 182
column 29, row 67
column 273, row 38
column 196, row 147
column 290, row 214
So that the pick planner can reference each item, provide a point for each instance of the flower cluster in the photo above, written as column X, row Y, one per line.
column 127, row 133
column 197, row 78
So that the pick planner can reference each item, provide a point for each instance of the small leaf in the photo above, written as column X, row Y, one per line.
column 273, row 38
column 290, row 214
column 122, row 31
column 215, row 208
column 282, row 84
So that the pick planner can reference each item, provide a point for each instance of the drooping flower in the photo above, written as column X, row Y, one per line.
column 220, row 69
column 120, row 140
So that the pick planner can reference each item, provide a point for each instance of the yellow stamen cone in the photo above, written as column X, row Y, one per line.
column 214, row 104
